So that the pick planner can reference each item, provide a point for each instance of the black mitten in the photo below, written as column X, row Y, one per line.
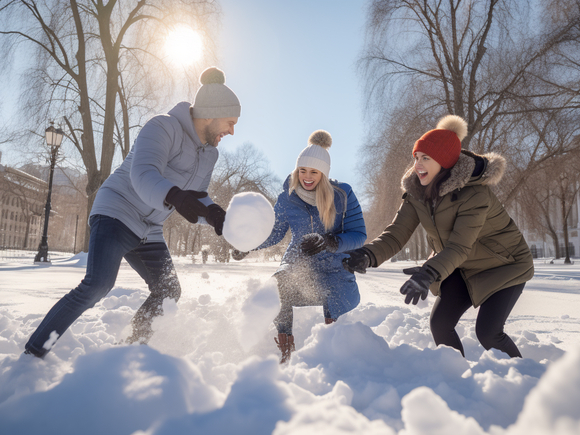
column 359, row 261
column 187, row 203
column 315, row 243
column 216, row 217
column 418, row 285
column 239, row 255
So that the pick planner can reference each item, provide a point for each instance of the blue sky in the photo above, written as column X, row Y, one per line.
column 293, row 66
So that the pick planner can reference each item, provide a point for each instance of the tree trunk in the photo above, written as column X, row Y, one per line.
column 556, row 245
column 565, row 229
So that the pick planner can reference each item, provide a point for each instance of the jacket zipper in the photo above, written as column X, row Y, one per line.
column 432, row 214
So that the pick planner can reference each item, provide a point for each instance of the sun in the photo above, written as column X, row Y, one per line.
column 183, row 46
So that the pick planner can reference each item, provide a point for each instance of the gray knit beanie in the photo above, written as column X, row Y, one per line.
column 315, row 155
column 214, row 99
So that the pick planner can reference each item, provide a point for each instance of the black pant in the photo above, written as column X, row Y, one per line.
column 454, row 300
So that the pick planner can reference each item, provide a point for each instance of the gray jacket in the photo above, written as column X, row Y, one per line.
column 166, row 153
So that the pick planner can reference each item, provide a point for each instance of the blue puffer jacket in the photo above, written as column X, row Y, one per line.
column 324, row 268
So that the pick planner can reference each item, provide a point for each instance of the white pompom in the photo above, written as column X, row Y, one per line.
column 454, row 123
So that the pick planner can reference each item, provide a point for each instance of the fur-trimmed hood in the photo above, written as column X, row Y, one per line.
column 490, row 170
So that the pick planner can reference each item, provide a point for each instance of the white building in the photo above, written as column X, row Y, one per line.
column 542, row 244
column 22, row 201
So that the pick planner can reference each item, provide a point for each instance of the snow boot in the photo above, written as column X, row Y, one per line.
column 328, row 320
column 285, row 343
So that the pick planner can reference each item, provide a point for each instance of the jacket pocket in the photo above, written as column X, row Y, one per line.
column 497, row 250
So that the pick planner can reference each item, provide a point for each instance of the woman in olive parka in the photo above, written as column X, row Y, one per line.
column 479, row 258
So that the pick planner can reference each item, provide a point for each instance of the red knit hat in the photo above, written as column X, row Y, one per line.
column 444, row 143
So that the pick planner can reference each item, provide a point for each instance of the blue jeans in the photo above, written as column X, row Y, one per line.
column 110, row 242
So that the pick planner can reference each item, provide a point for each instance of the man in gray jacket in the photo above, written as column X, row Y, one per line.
column 168, row 168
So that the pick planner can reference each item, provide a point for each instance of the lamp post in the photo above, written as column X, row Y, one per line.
column 53, row 139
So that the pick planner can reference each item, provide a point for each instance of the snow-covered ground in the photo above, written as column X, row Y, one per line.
column 212, row 366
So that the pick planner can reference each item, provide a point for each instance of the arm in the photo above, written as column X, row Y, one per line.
column 396, row 235
column 355, row 232
column 281, row 225
column 152, row 149
column 470, row 218
column 207, row 200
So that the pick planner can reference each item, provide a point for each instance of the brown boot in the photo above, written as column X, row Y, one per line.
column 285, row 343
column 328, row 320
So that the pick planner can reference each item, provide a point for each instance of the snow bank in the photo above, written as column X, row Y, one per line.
column 114, row 391
column 212, row 368
column 77, row 260
column 249, row 221
column 553, row 405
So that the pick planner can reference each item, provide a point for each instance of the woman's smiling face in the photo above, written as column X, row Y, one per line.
column 426, row 168
column 309, row 178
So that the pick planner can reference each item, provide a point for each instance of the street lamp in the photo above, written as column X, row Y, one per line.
column 53, row 139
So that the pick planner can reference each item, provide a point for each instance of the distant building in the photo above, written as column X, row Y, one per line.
column 540, row 242
column 22, row 201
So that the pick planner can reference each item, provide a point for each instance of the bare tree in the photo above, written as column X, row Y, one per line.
column 98, row 63
column 537, row 201
column 568, row 186
column 549, row 197
column 501, row 65
column 472, row 59
column 244, row 170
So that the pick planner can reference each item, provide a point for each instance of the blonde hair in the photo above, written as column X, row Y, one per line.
column 324, row 198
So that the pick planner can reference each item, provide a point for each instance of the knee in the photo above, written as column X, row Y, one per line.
column 439, row 324
column 167, row 288
column 90, row 291
column 487, row 337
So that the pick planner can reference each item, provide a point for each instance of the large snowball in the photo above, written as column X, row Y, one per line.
column 249, row 221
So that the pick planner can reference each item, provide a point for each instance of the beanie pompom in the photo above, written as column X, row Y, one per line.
column 455, row 124
column 321, row 138
column 212, row 75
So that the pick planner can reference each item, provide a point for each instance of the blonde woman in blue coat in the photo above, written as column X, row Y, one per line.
column 326, row 220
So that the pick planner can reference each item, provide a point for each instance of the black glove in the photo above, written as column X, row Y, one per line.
column 187, row 203
column 358, row 261
column 418, row 285
column 216, row 217
column 314, row 243
column 239, row 255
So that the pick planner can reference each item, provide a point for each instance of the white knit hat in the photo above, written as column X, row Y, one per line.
column 315, row 155
column 214, row 99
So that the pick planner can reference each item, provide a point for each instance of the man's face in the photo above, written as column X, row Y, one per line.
column 218, row 128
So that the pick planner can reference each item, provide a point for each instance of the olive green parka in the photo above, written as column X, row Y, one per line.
column 467, row 228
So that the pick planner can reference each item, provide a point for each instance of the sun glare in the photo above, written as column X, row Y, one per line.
column 184, row 46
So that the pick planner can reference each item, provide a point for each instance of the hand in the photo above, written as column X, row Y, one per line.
column 418, row 285
column 239, row 255
column 216, row 217
column 358, row 261
column 187, row 203
column 315, row 243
